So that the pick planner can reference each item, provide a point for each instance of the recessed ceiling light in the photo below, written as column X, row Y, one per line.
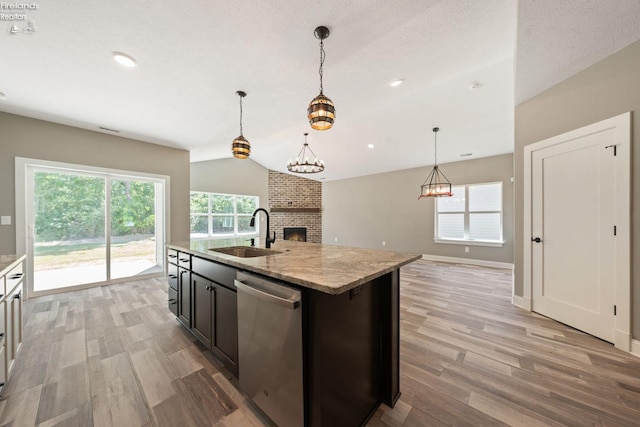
column 370, row 145
column 2, row 95
column 396, row 83
column 124, row 59
column 466, row 154
column 475, row 85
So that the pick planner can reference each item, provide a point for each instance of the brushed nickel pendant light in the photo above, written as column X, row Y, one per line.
column 436, row 184
column 321, row 111
column 240, row 147
column 302, row 163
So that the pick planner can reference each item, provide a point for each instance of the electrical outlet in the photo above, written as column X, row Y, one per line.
column 384, row 243
column 466, row 248
column 336, row 239
column 5, row 220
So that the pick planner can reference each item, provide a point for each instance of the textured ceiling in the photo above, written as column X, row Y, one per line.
column 559, row 38
column 193, row 56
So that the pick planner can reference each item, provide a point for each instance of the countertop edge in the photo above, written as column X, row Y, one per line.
column 10, row 266
column 231, row 261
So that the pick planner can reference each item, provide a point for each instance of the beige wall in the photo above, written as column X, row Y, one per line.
column 37, row 139
column 232, row 176
column 608, row 88
column 367, row 210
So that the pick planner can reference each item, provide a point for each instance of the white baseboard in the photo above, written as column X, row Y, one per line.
column 622, row 340
column 635, row 348
column 481, row 262
column 521, row 302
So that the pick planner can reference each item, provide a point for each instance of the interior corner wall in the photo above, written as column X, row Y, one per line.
column 36, row 139
column 368, row 210
column 606, row 89
column 232, row 176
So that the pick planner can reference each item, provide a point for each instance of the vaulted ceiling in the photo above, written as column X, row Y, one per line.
column 464, row 65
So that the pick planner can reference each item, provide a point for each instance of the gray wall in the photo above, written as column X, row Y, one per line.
column 37, row 139
column 232, row 176
column 606, row 89
column 367, row 210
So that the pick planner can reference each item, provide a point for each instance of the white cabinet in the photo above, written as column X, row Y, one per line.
column 11, row 287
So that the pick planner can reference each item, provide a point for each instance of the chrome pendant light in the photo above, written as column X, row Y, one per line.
column 436, row 184
column 240, row 147
column 321, row 112
column 302, row 163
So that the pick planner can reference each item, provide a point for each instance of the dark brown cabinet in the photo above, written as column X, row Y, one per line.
column 184, row 296
column 201, row 326
column 215, row 319
column 224, row 326
column 206, row 303
column 179, row 280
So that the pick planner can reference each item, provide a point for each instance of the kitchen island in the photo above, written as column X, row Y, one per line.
column 349, row 319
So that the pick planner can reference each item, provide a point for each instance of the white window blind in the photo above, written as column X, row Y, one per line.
column 472, row 214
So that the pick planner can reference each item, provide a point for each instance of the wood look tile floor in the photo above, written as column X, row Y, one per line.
column 115, row 356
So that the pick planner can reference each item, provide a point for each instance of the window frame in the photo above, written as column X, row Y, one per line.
column 466, row 213
column 211, row 215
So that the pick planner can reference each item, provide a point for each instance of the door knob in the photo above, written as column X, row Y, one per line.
column 536, row 239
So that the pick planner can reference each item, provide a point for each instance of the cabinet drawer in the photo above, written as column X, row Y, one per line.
column 184, row 260
column 219, row 273
column 172, row 256
column 173, row 301
column 172, row 276
column 14, row 277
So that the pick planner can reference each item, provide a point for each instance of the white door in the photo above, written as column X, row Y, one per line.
column 574, row 229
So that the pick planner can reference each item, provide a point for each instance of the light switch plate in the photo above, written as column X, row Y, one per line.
column 5, row 220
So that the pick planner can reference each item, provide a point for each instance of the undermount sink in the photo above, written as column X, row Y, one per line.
column 245, row 251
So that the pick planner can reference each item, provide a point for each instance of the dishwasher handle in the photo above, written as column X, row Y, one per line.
column 290, row 303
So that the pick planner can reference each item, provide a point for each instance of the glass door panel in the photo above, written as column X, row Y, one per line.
column 133, row 228
column 69, row 230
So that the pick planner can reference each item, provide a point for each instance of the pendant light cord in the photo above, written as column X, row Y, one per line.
column 435, row 149
column 322, row 55
column 241, row 116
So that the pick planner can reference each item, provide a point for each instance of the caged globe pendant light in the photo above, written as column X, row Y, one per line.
column 240, row 147
column 321, row 112
column 436, row 184
column 302, row 163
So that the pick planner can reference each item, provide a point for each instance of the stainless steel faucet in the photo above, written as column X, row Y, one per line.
column 268, row 240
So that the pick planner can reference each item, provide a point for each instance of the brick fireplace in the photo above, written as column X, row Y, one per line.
column 295, row 202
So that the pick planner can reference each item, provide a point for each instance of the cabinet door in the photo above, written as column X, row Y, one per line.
column 3, row 351
column 16, row 302
column 184, row 297
column 224, row 342
column 201, row 309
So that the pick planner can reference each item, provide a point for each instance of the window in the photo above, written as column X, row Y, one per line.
column 473, row 215
column 222, row 215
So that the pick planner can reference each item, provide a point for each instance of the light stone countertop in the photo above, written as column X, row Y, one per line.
column 326, row 268
column 7, row 262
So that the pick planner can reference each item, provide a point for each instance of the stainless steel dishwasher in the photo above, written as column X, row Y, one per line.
column 270, row 348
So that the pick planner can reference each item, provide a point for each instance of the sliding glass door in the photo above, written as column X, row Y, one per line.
column 133, row 228
column 69, row 245
column 90, row 228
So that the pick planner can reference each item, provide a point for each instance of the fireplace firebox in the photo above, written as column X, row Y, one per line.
column 298, row 234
